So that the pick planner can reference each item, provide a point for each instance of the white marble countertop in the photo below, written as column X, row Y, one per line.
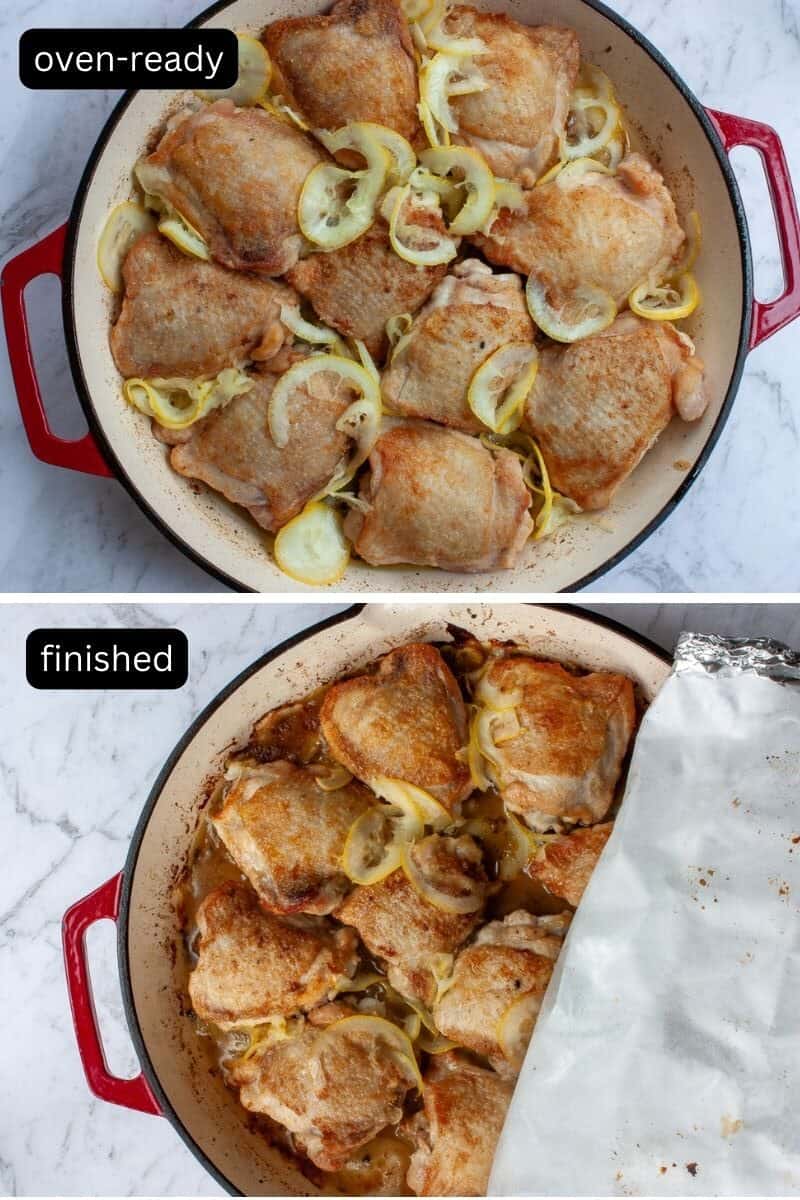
column 74, row 533
column 76, row 768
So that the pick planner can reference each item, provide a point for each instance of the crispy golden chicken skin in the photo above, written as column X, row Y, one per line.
column 358, row 288
column 457, row 1131
column 498, row 983
column 354, row 64
column 182, row 317
column 565, row 864
column 439, row 498
column 564, row 764
column 252, row 966
column 531, row 71
column 608, row 231
column 236, row 174
column 469, row 316
column 232, row 450
column 598, row 405
column 406, row 721
column 264, row 823
column 333, row 1088
column 398, row 925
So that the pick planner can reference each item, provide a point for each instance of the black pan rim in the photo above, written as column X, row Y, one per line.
column 353, row 612
column 87, row 404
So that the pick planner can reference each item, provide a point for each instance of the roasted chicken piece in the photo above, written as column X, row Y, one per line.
column 492, row 1000
column 358, row 288
column 334, row 1088
column 184, row 318
column 412, row 936
column 236, row 174
column 531, row 70
column 469, row 316
column 607, row 231
column 252, row 966
column 598, row 405
column 456, row 1132
column 232, row 450
column 565, row 864
column 264, row 823
column 354, row 64
column 406, row 721
column 439, row 498
column 563, row 764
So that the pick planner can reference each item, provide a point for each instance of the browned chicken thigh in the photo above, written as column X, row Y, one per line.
column 531, row 70
column 598, row 405
column 182, row 317
column 492, row 1000
column 439, row 498
column 607, row 231
column 562, row 765
column 566, row 863
column 236, row 174
column 358, row 288
column 252, row 966
column 264, row 823
column 469, row 316
column 232, row 450
column 406, row 721
column 456, row 1132
column 354, row 64
column 333, row 1088
column 409, row 933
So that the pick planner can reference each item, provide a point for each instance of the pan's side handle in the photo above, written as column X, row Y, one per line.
column 130, row 1093
column 740, row 131
column 45, row 258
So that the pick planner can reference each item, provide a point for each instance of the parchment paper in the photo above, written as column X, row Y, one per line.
column 666, row 1059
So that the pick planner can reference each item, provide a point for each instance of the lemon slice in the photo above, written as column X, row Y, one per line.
column 158, row 398
column 501, row 384
column 462, row 47
column 586, row 311
column 443, row 76
column 435, row 1043
column 372, row 848
column 671, row 301
column 515, row 1027
column 475, row 178
column 418, row 244
column 312, row 548
column 435, row 12
column 413, row 800
column 315, row 335
column 379, row 1027
column 594, row 82
column 183, row 235
column 172, row 415
column 436, row 135
column 255, row 72
column 551, row 174
column 468, row 902
column 337, row 206
column 125, row 224
column 397, row 328
column 508, row 194
column 369, row 139
column 300, row 375
column 586, row 135
column 415, row 9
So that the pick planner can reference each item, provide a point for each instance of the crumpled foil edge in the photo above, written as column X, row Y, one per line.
column 709, row 654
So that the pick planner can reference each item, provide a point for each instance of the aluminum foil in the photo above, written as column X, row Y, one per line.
column 666, row 1056
column 729, row 657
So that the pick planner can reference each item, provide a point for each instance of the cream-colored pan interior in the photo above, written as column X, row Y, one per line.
column 228, row 540
column 208, row 1110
